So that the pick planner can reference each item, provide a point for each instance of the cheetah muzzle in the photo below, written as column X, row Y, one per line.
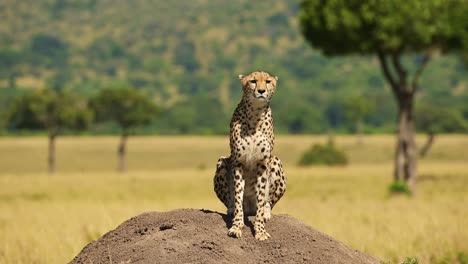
column 251, row 180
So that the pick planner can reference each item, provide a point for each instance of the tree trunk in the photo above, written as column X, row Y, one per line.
column 51, row 158
column 121, row 152
column 404, row 91
column 428, row 145
column 406, row 152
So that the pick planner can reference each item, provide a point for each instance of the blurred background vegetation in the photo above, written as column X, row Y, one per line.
column 188, row 66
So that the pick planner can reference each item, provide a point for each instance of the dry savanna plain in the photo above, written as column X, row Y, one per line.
column 50, row 218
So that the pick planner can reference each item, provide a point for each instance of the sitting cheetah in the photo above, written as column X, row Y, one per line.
column 251, row 180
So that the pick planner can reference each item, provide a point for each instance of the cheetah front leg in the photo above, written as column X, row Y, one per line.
column 238, row 219
column 276, row 183
column 262, row 192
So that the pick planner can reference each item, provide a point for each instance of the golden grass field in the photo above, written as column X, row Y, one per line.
column 49, row 219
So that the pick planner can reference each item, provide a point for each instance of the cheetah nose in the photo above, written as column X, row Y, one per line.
column 261, row 91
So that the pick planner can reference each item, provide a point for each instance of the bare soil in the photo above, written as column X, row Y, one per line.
column 200, row 236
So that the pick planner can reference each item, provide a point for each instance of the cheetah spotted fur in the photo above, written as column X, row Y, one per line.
column 251, row 180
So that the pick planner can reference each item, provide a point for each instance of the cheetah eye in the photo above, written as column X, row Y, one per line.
column 253, row 81
column 268, row 81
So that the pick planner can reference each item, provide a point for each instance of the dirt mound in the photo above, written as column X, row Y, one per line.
column 200, row 236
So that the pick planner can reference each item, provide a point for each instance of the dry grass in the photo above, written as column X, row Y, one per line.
column 48, row 219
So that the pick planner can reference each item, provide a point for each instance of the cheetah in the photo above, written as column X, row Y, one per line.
column 251, row 180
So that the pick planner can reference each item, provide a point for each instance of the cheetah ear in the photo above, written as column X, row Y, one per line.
column 240, row 76
column 276, row 77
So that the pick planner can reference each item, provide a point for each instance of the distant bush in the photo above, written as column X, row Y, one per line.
column 462, row 257
column 410, row 260
column 400, row 187
column 326, row 154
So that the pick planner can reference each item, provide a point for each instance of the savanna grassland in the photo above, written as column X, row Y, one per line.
column 48, row 219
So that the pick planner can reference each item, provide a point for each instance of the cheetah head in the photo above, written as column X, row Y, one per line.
column 258, row 86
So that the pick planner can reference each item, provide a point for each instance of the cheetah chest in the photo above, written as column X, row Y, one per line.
column 254, row 148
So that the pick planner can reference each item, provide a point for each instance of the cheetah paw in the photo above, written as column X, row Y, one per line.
column 262, row 235
column 235, row 231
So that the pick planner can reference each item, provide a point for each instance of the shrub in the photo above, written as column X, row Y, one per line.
column 400, row 187
column 462, row 257
column 326, row 154
column 410, row 260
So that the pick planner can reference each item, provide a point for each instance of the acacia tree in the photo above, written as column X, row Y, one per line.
column 433, row 120
column 52, row 111
column 389, row 29
column 129, row 109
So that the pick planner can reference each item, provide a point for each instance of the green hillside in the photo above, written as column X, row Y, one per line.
column 187, row 54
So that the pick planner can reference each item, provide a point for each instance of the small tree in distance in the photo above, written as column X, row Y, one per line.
column 356, row 108
column 129, row 108
column 390, row 29
column 52, row 111
column 433, row 120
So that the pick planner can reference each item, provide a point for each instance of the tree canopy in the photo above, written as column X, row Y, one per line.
column 341, row 27
column 129, row 108
column 50, row 110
